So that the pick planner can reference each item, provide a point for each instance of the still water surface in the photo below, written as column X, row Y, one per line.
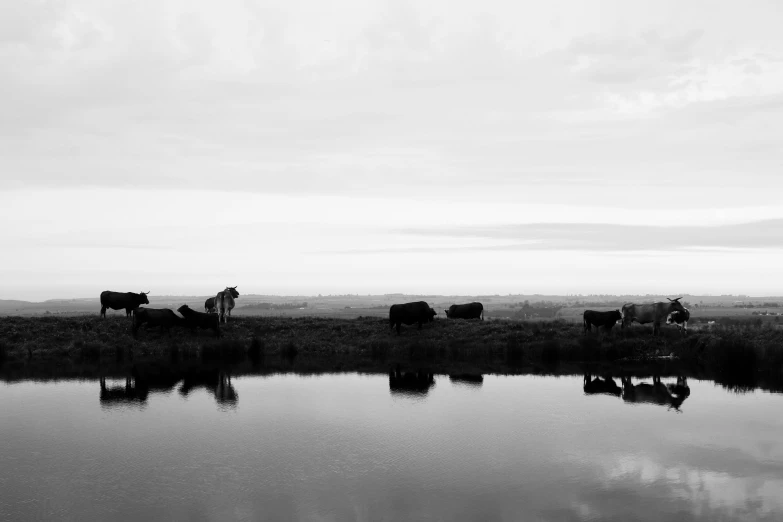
column 345, row 447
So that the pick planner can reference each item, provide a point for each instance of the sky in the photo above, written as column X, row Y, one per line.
column 362, row 146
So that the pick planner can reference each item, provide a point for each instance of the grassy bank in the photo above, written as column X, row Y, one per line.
column 734, row 353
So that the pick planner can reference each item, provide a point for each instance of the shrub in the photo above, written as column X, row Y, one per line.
column 589, row 348
column 256, row 351
column 88, row 350
column 289, row 351
column 379, row 350
column 223, row 350
column 515, row 352
column 422, row 350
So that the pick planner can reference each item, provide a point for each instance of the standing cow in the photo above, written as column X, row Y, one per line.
column 473, row 310
column 654, row 313
column 680, row 319
column 410, row 313
column 224, row 302
column 119, row 300
column 209, row 305
column 598, row 319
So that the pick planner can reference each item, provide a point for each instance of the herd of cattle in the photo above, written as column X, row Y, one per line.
column 217, row 310
column 672, row 313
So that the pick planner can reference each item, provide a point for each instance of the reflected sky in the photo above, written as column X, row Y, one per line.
column 342, row 447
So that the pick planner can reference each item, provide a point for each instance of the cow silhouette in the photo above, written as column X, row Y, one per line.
column 410, row 383
column 671, row 396
column 600, row 385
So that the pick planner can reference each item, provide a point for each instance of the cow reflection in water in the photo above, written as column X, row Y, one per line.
column 131, row 393
column 141, row 382
column 217, row 382
column 410, row 383
column 670, row 395
column 599, row 385
column 467, row 379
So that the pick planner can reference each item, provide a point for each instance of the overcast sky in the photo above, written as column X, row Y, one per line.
column 361, row 146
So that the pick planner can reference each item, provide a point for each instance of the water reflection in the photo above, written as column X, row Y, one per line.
column 474, row 380
column 142, row 380
column 216, row 382
column 600, row 385
column 340, row 447
column 122, row 395
column 410, row 383
column 669, row 395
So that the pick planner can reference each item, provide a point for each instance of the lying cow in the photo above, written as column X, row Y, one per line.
column 194, row 319
column 598, row 319
column 466, row 311
column 410, row 313
column 162, row 317
column 680, row 319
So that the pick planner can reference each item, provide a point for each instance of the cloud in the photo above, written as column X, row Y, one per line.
column 597, row 237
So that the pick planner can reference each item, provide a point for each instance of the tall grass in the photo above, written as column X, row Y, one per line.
column 734, row 348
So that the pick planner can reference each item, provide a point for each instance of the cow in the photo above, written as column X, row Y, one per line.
column 680, row 319
column 410, row 313
column 466, row 311
column 224, row 302
column 119, row 300
column 598, row 319
column 655, row 393
column 194, row 319
column 653, row 313
column 209, row 305
column 162, row 317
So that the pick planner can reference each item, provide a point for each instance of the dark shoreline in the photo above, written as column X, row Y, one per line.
column 740, row 356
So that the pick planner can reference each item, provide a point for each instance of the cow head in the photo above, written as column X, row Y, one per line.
column 616, row 315
column 676, row 306
column 233, row 290
column 432, row 314
column 143, row 296
column 182, row 309
column 447, row 312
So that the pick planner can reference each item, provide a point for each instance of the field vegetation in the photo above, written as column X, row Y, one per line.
column 735, row 351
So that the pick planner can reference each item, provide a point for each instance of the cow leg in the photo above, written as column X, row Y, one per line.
column 398, row 328
column 103, row 312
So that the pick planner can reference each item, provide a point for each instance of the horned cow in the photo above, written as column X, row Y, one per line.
column 650, row 313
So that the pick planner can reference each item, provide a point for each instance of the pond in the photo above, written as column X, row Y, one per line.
column 368, row 447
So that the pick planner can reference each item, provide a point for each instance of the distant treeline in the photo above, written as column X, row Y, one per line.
column 760, row 305
column 277, row 306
